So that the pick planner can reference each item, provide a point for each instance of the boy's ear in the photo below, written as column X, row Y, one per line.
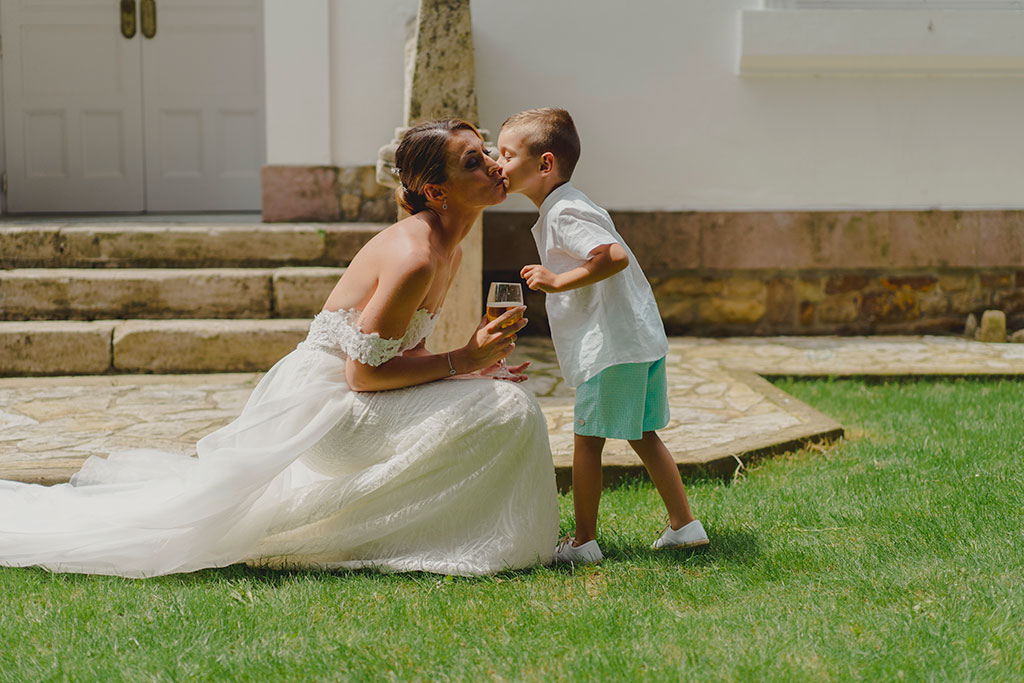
column 547, row 163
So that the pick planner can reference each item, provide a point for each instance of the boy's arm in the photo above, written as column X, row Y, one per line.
column 605, row 260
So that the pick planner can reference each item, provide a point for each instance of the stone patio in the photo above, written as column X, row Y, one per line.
column 723, row 414
column 856, row 356
column 721, row 417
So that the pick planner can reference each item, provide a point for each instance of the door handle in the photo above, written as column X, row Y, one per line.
column 148, row 11
column 128, row 18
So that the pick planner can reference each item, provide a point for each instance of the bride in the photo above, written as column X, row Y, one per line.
column 349, row 453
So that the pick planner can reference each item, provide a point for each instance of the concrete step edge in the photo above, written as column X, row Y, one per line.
column 146, row 346
column 180, row 245
column 87, row 294
column 105, row 274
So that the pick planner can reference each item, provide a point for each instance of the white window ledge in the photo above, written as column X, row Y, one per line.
column 882, row 42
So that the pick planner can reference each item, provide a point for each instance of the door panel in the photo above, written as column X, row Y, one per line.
column 72, row 108
column 77, row 93
column 46, row 144
column 238, row 156
column 103, row 154
column 203, row 84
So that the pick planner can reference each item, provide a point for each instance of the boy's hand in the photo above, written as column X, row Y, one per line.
column 604, row 261
column 540, row 278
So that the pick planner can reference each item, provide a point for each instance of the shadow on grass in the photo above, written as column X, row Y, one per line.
column 275, row 578
column 727, row 547
column 230, row 574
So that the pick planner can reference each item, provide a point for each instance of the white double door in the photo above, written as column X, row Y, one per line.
column 97, row 121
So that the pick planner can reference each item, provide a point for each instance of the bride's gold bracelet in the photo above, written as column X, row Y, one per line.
column 451, row 368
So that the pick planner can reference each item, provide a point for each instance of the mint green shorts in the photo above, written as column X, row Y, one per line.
column 623, row 401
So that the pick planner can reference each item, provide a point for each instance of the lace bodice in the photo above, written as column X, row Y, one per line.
column 338, row 333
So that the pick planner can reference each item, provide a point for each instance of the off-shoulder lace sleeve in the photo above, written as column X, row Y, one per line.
column 368, row 349
column 338, row 331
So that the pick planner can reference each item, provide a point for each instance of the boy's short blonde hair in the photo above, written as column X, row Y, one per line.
column 549, row 130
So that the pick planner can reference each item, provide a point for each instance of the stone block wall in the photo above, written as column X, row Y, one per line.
column 816, row 302
column 326, row 194
column 737, row 273
column 759, row 273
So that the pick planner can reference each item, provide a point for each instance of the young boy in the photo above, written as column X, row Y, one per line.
column 605, row 325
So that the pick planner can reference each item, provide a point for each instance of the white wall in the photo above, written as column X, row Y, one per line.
column 297, row 66
column 3, row 153
column 367, row 75
column 667, row 124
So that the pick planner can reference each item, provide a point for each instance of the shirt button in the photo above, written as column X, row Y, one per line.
column 581, row 422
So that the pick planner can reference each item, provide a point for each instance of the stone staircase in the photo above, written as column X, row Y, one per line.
column 94, row 298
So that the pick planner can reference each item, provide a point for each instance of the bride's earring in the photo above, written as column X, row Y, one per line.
column 444, row 207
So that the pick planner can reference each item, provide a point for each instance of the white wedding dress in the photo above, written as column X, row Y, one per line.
column 452, row 477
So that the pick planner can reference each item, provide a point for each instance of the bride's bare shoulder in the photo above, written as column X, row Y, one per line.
column 408, row 239
column 399, row 251
column 396, row 261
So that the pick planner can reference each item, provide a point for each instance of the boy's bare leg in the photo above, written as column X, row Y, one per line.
column 586, row 485
column 664, row 473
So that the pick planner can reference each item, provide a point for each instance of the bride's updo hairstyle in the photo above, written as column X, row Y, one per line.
column 422, row 158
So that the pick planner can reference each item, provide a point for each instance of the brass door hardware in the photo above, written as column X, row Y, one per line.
column 128, row 18
column 148, row 11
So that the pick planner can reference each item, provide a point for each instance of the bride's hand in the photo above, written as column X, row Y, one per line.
column 516, row 370
column 492, row 341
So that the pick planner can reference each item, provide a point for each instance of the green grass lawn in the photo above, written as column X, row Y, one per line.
column 898, row 553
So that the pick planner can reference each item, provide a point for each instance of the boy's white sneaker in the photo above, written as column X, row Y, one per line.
column 585, row 553
column 687, row 536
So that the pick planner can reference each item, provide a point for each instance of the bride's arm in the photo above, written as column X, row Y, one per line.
column 400, row 291
column 489, row 344
column 418, row 350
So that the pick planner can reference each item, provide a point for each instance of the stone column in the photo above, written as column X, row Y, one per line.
column 440, row 83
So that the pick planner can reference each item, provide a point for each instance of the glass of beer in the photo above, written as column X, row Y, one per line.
column 501, row 297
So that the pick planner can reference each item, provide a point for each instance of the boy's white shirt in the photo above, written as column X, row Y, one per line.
column 607, row 323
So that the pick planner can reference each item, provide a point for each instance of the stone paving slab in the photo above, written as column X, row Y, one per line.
column 48, row 426
column 856, row 356
column 720, row 418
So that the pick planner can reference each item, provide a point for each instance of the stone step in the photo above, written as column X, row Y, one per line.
column 180, row 245
column 164, row 293
column 145, row 346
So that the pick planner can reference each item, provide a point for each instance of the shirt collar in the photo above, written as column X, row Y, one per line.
column 555, row 195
